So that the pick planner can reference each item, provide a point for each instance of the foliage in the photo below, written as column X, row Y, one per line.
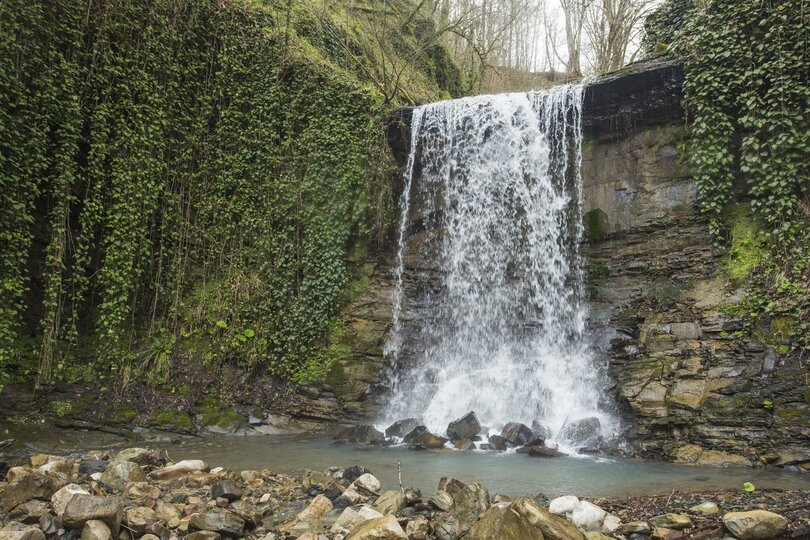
column 662, row 25
column 185, row 176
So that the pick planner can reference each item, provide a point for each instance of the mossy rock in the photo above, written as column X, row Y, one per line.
column 747, row 250
column 597, row 225
column 172, row 418
column 215, row 413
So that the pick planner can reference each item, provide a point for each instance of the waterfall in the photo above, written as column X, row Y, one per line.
column 501, row 328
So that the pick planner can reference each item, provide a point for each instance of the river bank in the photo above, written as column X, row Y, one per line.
column 141, row 493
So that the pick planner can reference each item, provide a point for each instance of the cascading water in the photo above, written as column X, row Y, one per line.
column 499, row 177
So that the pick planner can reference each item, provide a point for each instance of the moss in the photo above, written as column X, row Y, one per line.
column 599, row 271
column 792, row 417
column 747, row 250
column 174, row 418
column 782, row 328
column 807, row 396
column 597, row 226
column 336, row 375
column 215, row 413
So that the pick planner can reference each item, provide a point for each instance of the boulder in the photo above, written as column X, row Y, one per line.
column 390, row 502
column 181, row 468
column 350, row 518
column 140, row 519
column 168, row 514
column 49, row 524
column 450, row 485
column 96, row 530
column 382, row 528
column 672, row 521
column 588, row 516
column 413, row 434
column 119, row 473
column 563, row 505
column 60, row 499
column 367, row 483
column 317, row 508
column 363, row 433
column 496, row 442
column 634, row 527
column 425, row 440
column 552, row 526
column 82, row 508
column 18, row 531
column 204, row 535
column 465, row 427
column 400, row 428
column 465, row 445
column 541, row 430
column 142, row 493
column 705, row 509
column 610, row 524
column 57, row 466
column 503, row 523
column 32, row 486
column 222, row 522
column 583, row 432
column 15, row 474
column 354, row 472
column 755, row 525
column 226, row 488
column 468, row 504
column 92, row 466
column 543, row 451
column 516, row 434
column 418, row 528
column 441, row 500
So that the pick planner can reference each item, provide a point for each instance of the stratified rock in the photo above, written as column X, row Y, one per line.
column 18, row 531
column 496, row 442
column 672, row 521
column 413, row 434
column 181, row 468
column 441, row 500
column 119, row 473
column 705, row 509
column 351, row 518
column 400, row 428
column 60, row 499
column 563, row 505
column 583, row 432
column 222, row 522
column 363, row 433
column 588, row 516
column 139, row 519
column 450, row 485
column 226, row 488
column 83, row 508
column 503, row 524
column 33, row 486
column 382, row 528
column 465, row 427
column 428, row 441
column 367, row 483
column 465, row 445
column 468, row 504
column 319, row 507
column 516, row 434
column 418, row 528
column 552, row 526
column 755, row 525
column 390, row 502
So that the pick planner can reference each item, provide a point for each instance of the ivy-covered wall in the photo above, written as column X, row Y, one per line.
column 192, row 176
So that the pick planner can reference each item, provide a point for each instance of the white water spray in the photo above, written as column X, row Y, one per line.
column 500, row 176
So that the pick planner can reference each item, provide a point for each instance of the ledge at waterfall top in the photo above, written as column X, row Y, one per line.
column 500, row 178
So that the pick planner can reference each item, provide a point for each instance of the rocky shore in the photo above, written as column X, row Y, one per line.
column 141, row 493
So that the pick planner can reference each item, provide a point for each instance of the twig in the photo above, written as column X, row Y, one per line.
column 668, row 498
column 399, row 476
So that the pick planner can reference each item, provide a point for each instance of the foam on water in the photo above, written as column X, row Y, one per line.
column 504, row 335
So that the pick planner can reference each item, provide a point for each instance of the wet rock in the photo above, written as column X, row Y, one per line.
column 390, row 502
column 136, row 455
column 15, row 474
column 140, row 519
column 350, row 518
column 552, row 526
column 563, row 505
column 468, row 503
column 465, row 427
column 672, row 521
column 418, row 528
column 465, row 445
column 181, row 468
column 317, row 508
column 504, row 524
column 92, row 466
column 29, row 512
column 141, row 493
column 412, row 435
column 516, row 434
column 755, row 525
column 541, row 430
column 428, row 441
column 382, row 528
column 400, row 428
column 705, row 509
column 57, row 466
column 543, row 451
column 363, row 433
column 610, row 524
column 588, row 516
column 83, row 508
column 583, row 432
column 226, row 488
column 496, row 442
column 222, row 522
column 18, row 531
column 32, row 486
column 367, row 483
column 60, row 499
column 354, row 472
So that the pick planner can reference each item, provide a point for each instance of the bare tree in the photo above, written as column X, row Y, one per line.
column 612, row 26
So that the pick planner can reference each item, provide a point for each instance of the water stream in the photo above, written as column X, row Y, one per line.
column 499, row 178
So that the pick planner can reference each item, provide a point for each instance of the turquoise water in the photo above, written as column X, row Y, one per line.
column 508, row 473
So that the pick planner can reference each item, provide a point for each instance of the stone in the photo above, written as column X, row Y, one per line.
column 205, row 535
column 15, row 531
column 496, row 442
column 610, row 524
column 32, row 486
column 354, row 472
column 662, row 533
column 672, row 521
column 226, row 488
column 351, row 518
column 441, row 500
column 139, row 519
column 427, row 441
column 60, row 499
column 181, row 468
column 57, row 466
column 465, row 427
column 552, row 526
column 119, row 473
column 540, row 430
column 382, row 528
column 450, row 485
column 468, row 504
column 516, row 434
column 83, row 508
column 464, row 445
column 168, row 514
column 596, row 535
column 400, row 428
column 418, row 528
column 49, row 524
column 317, row 508
column 634, row 527
column 705, row 509
column 563, row 505
column 15, row 474
column 363, row 433
column 368, row 483
column 390, row 502
column 96, row 530
column 588, row 516
column 583, row 432
column 222, row 522
column 92, row 466
column 136, row 455
column 503, row 523
column 543, row 451
column 687, row 393
column 755, row 524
